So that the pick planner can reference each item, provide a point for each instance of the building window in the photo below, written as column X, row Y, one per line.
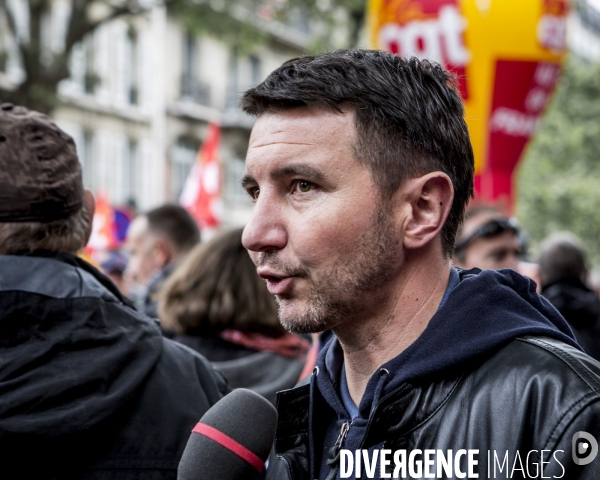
column 3, row 47
column 131, row 172
column 88, row 161
column 233, row 91
column 90, row 79
column 189, row 54
column 133, row 70
column 183, row 156
column 192, row 89
column 244, row 72
column 255, row 74
column 233, row 189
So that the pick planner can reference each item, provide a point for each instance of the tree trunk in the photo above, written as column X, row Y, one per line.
column 39, row 90
column 357, row 18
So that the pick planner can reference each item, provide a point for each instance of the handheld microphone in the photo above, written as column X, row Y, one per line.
column 232, row 440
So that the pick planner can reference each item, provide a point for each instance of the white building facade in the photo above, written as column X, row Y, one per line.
column 583, row 30
column 141, row 93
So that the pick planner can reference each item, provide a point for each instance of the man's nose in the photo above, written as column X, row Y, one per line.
column 266, row 230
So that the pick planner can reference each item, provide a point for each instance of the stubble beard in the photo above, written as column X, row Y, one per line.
column 343, row 293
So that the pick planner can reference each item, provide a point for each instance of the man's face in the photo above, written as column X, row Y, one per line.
column 145, row 258
column 491, row 253
column 320, row 234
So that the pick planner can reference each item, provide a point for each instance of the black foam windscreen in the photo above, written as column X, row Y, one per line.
column 225, row 443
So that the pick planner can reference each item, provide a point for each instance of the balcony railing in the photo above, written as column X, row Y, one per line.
column 232, row 100
column 194, row 90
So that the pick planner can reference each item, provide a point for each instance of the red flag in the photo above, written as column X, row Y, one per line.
column 103, row 226
column 202, row 189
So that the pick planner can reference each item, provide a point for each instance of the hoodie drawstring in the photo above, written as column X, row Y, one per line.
column 384, row 376
column 311, row 448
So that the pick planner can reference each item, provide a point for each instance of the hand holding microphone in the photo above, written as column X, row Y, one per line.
column 232, row 440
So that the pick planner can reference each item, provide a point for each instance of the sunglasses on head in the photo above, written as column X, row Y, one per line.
column 490, row 229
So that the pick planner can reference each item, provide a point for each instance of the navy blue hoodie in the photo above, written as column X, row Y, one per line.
column 485, row 311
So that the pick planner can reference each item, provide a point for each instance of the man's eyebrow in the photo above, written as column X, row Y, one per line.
column 247, row 180
column 298, row 170
column 279, row 143
column 287, row 171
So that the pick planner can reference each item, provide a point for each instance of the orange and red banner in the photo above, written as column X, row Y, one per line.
column 507, row 55
column 103, row 235
column 202, row 189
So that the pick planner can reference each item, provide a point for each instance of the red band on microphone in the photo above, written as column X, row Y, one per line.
column 230, row 444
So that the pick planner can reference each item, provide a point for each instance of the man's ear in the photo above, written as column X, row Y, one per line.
column 90, row 207
column 430, row 198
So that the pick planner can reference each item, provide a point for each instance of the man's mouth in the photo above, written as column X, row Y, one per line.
column 277, row 285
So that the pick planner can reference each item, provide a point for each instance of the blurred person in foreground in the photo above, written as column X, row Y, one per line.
column 90, row 388
column 156, row 242
column 219, row 307
column 360, row 167
column 563, row 272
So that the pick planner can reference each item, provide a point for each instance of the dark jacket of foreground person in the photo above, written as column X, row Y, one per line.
column 495, row 370
column 90, row 389
column 261, row 371
column 581, row 308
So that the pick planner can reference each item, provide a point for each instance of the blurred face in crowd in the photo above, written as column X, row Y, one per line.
column 489, row 252
column 119, row 281
column 320, row 234
column 147, row 255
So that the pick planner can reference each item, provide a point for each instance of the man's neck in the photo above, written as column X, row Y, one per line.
column 372, row 341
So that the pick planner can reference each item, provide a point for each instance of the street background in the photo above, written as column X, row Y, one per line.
column 141, row 86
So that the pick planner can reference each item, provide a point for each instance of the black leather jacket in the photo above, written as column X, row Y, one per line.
column 533, row 394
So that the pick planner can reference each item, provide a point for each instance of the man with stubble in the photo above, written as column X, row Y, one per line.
column 360, row 168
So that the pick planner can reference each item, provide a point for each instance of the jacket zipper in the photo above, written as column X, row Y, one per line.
column 334, row 453
column 342, row 435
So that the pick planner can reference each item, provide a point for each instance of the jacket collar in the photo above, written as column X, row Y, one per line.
column 398, row 412
column 78, row 262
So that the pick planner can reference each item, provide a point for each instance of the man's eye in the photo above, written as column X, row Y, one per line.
column 500, row 255
column 304, row 186
column 253, row 192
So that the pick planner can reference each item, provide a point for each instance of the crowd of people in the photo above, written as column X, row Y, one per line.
column 489, row 239
column 356, row 289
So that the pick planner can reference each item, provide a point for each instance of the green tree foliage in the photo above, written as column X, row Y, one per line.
column 559, row 180
column 246, row 23
column 43, row 69
column 240, row 23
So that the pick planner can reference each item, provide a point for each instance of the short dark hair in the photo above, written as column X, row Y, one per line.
column 561, row 256
column 216, row 288
column 176, row 225
column 408, row 112
column 68, row 235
